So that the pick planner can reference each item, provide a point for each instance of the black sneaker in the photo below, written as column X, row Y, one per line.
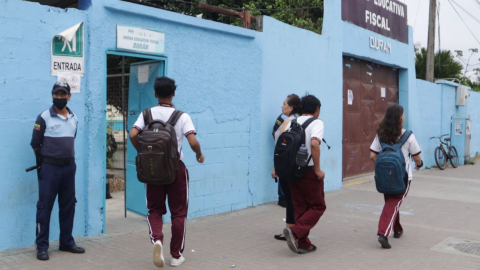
column 384, row 241
column 42, row 255
column 304, row 251
column 73, row 249
column 397, row 234
column 282, row 202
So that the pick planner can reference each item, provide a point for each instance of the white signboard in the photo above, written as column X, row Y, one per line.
column 73, row 81
column 383, row 92
column 350, row 97
column 140, row 40
column 67, row 52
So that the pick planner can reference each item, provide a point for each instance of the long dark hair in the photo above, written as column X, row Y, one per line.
column 390, row 128
column 295, row 102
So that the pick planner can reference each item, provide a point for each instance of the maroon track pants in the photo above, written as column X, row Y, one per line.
column 177, row 193
column 308, row 205
column 390, row 218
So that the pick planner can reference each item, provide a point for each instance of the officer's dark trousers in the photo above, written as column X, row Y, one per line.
column 53, row 180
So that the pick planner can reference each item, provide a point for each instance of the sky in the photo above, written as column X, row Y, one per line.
column 453, row 32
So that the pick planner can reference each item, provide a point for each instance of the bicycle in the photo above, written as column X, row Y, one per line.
column 442, row 155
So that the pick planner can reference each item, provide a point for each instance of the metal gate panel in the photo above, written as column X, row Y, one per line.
column 374, row 88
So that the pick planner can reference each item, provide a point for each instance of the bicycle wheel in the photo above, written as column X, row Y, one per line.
column 453, row 156
column 440, row 158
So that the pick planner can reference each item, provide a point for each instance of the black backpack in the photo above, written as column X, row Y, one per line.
column 286, row 149
column 158, row 158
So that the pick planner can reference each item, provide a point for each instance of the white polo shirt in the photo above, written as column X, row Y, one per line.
column 314, row 131
column 410, row 147
column 184, row 126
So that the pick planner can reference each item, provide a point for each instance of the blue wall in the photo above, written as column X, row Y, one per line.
column 231, row 81
column 294, row 61
column 25, row 87
column 474, row 111
column 218, row 75
column 438, row 103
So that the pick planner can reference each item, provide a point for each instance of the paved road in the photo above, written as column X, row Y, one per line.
column 442, row 210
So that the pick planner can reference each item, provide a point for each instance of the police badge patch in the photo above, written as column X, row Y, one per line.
column 37, row 127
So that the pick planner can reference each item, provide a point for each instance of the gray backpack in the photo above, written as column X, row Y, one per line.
column 158, row 158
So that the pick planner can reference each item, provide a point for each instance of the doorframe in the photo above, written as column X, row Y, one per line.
column 126, row 54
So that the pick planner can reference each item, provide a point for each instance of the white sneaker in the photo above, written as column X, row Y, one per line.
column 158, row 259
column 177, row 262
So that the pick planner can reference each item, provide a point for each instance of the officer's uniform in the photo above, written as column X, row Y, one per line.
column 55, row 135
column 281, row 118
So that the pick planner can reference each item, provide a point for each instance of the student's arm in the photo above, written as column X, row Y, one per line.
column 414, row 149
column 284, row 126
column 375, row 148
column 195, row 145
column 418, row 161
column 315, row 145
column 133, row 137
column 138, row 126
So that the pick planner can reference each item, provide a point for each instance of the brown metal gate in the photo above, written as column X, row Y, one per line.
column 368, row 90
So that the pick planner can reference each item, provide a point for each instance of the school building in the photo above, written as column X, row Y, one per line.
column 231, row 81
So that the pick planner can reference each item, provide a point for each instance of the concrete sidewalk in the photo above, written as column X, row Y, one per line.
column 441, row 210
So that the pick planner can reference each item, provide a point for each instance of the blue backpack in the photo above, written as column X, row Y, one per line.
column 390, row 169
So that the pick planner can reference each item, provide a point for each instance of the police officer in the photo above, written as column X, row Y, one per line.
column 53, row 143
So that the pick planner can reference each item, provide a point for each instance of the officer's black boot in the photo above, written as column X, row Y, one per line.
column 42, row 255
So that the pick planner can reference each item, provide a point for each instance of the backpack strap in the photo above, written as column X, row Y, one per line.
column 403, row 139
column 308, row 122
column 304, row 139
column 147, row 116
column 174, row 118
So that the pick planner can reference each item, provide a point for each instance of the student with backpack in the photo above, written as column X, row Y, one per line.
column 157, row 135
column 291, row 107
column 297, row 159
column 391, row 151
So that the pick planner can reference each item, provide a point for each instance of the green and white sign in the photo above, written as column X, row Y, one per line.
column 140, row 40
column 68, row 52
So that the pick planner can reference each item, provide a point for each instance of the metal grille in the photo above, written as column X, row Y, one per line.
column 115, row 122
column 470, row 248
column 114, row 91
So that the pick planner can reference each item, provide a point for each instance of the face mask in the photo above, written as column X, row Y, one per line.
column 60, row 103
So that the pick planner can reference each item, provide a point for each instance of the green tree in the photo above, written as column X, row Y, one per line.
column 474, row 85
column 310, row 19
column 449, row 67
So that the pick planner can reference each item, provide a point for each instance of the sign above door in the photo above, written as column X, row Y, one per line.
column 140, row 40
column 385, row 17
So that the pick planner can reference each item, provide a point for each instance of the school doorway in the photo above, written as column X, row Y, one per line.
column 368, row 90
column 130, row 78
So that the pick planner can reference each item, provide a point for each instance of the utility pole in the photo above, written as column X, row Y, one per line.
column 431, row 41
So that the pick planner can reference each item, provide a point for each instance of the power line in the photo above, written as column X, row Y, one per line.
column 464, row 21
column 416, row 16
column 466, row 11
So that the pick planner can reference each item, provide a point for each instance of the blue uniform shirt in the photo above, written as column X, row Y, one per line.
column 55, row 134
